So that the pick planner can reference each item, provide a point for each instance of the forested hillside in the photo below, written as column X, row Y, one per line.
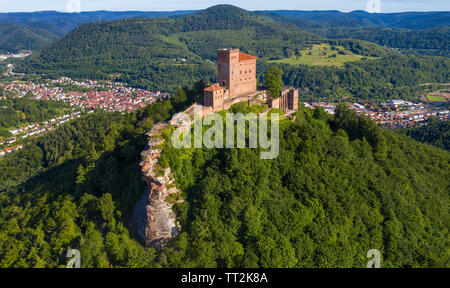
column 14, row 38
column 363, row 19
column 149, row 52
column 409, row 33
column 340, row 187
column 423, row 42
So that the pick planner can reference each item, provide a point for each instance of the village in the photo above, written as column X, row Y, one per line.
column 83, row 96
column 393, row 114
column 34, row 130
column 87, row 94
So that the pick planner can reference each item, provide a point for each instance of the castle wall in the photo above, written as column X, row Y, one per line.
column 287, row 102
column 274, row 103
column 293, row 100
column 247, row 77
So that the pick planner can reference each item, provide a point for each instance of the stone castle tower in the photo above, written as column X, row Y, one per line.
column 237, row 76
column 237, row 71
column 237, row 83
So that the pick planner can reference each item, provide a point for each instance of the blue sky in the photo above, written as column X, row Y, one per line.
column 168, row 5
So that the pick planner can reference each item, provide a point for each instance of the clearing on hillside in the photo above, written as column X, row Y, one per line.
column 323, row 55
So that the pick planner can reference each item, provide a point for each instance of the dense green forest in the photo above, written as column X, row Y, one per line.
column 340, row 187
column 148, row 53
column 61, row 23
column 435, row 132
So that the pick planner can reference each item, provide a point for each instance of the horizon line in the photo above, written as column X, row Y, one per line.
column 196, row 10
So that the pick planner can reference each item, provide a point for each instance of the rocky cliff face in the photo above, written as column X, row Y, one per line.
column 154, row 219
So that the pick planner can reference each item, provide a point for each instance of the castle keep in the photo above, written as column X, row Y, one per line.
column 237, row 76
column 237, row 83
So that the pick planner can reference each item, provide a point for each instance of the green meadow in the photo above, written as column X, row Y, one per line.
column 323, row 55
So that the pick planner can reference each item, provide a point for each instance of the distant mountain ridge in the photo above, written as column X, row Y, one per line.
column 407, row 20
column 59, row 24
column 355, row 19
column 69, row 21
column 15, row 37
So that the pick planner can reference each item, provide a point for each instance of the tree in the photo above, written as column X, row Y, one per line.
column 180, row 98
column 107, row 208
column 273, row 81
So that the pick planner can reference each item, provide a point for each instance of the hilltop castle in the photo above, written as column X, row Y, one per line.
column 238, row 83
column 237, row 76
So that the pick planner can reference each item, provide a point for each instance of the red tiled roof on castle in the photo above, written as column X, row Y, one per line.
column 215, row 87
column 246, row 57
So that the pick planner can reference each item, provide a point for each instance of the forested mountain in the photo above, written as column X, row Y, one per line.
column 340, row 187
column 35, row 30
column 66, row 22
column 161, row 54
column 331, row 24
column 409, row 20
column 14, row 38
column 432, row 41
column 391, row 77
column 149, row 52
column 389, row 30
column 362, row 19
